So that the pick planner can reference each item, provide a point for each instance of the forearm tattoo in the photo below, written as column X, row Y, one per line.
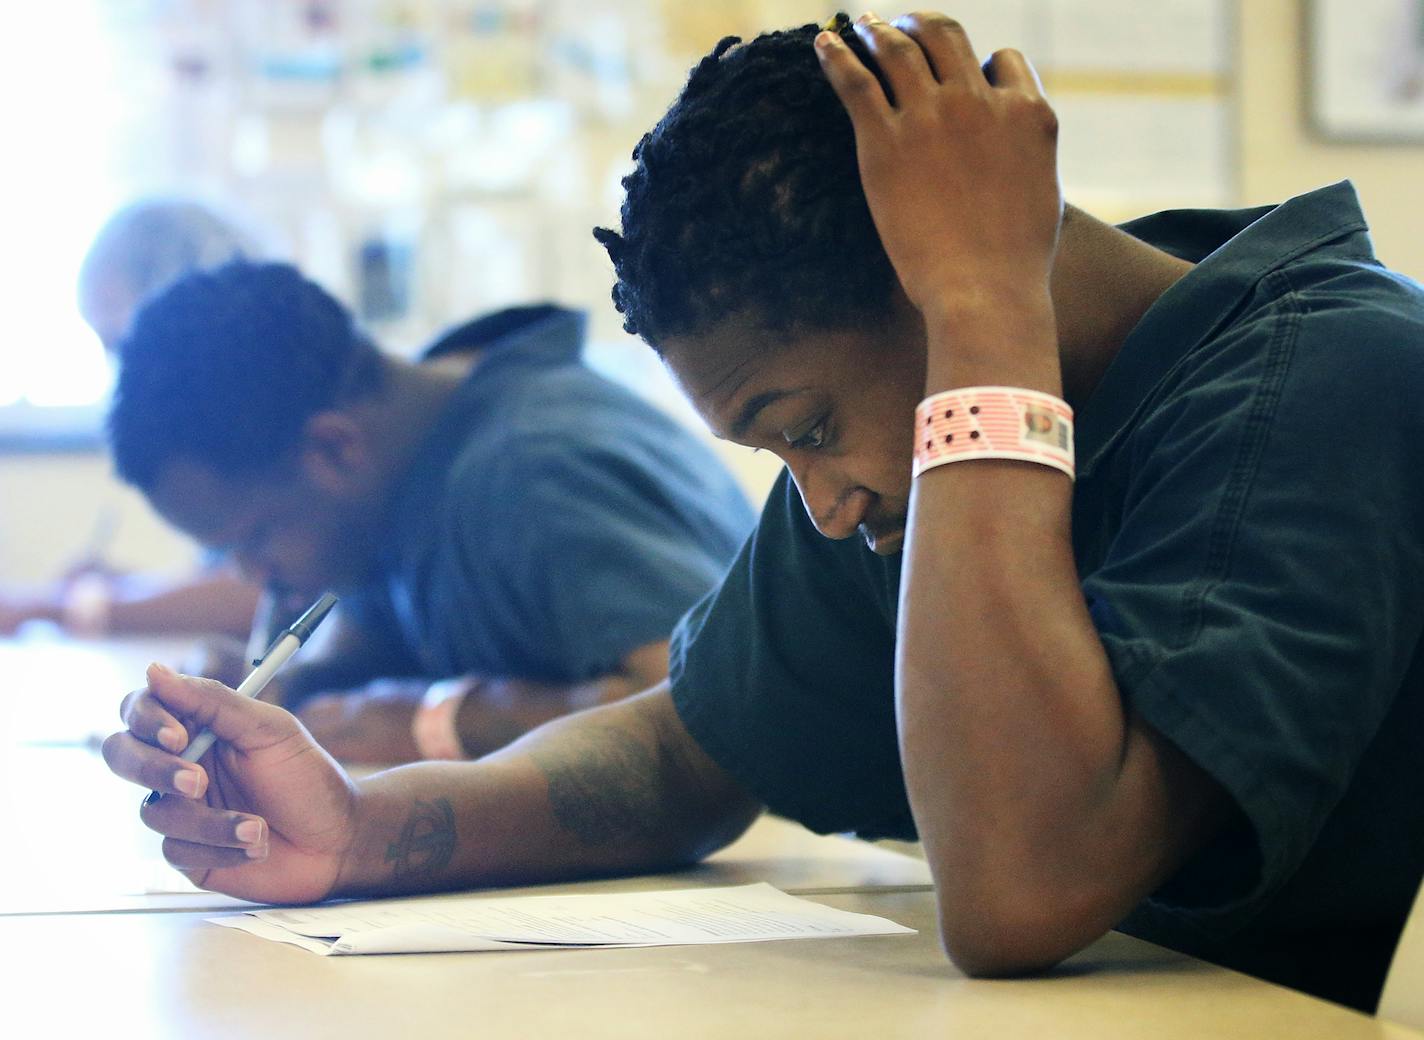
column 606, row 787
column 426, row 842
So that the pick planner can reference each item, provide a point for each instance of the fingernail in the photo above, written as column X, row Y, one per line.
column 188, row 782
column 257, row 852
column 826, row 40
column 249, row 832
column 868, row 17
column 160, row 668
column 170, row 738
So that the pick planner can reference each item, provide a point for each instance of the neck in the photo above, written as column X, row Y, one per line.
column 1103, row 282
column 402, row 415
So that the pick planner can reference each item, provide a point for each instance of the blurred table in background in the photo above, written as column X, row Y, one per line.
column 72, row 831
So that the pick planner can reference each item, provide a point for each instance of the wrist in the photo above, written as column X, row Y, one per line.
column 435, row 726
column 363, row 868
column 992, row 337
column 46, row 608
column 994, row 299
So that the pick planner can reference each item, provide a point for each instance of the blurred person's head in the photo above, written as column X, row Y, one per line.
column 142, row 248
column 252, row 411
column 748, row 259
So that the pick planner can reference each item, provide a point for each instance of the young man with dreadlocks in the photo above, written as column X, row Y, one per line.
column 1153, row 698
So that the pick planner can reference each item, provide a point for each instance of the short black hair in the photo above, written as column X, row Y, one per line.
column 746, row 201
column 225, row 366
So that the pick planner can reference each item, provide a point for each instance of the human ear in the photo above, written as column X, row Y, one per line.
column 335, row 453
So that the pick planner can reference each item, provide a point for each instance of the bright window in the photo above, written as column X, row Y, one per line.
column 67, row 115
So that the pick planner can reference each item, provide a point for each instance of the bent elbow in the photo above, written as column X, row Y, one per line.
column 996, row 960
column 988, row 943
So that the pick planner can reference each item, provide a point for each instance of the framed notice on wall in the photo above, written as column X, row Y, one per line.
column 1366, row 70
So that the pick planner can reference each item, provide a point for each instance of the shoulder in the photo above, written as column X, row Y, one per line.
column 1340, row 327
column 1344, row 310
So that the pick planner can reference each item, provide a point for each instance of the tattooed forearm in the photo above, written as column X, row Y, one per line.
column 606, row 786
column 426, row 842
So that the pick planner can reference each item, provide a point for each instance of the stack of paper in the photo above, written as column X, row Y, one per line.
column 747, row 913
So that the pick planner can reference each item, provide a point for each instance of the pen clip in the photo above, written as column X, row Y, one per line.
column 304, row 626
column 271, row 646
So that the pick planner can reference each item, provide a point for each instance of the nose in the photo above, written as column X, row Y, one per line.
column 835, row 505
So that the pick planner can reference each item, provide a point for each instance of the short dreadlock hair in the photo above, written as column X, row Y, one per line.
column 224, row 367
column 746, row 202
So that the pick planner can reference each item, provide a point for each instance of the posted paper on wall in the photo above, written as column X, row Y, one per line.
column 746, row 913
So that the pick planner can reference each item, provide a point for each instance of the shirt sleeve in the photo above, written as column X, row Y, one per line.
column 783, row 675
column 607, row 554
column 1260, row 603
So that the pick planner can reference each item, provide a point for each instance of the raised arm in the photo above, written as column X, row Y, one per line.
column 613, row 789
column 1047, row 810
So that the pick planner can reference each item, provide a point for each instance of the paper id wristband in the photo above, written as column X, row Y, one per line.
column 993, row 422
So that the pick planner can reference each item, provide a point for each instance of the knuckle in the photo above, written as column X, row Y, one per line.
column 1042, row 112
column 112, row 749
column 128, row 704
column 926, row 22
column 896, row 43
column 208, row 685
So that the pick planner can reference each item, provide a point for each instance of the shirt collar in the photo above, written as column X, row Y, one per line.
column 1233, row 250
column 542, row 333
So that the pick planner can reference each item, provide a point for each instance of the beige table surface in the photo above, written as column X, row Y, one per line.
column 75, row 844
column 174, row 975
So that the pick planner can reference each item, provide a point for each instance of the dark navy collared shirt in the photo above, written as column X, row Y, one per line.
column 1248, row 525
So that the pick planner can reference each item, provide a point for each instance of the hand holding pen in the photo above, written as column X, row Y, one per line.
column 268, row 815
column 265, row 668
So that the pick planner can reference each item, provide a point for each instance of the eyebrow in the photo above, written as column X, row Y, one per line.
column 753, row 408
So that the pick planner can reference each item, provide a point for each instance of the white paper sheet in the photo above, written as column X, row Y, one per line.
column 747, row 913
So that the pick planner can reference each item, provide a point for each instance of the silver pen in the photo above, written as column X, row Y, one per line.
column 287, row 643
